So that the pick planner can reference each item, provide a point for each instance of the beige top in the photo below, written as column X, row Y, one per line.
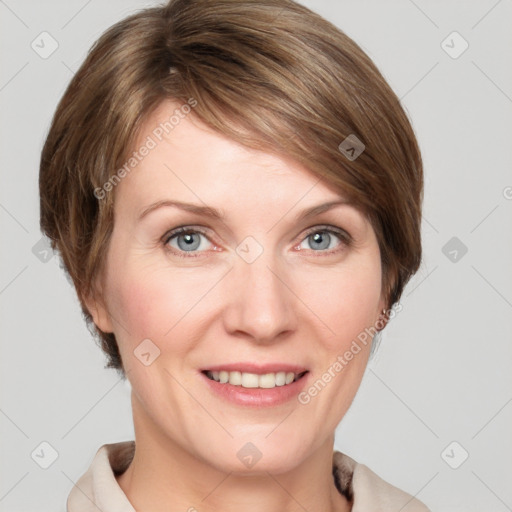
column 98, row 489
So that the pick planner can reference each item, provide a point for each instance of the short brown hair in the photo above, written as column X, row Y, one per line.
column 269, row 74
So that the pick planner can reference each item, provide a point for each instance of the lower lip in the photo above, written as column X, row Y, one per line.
column 256, row 397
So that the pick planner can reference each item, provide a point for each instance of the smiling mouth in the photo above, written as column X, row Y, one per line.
column 254, row 380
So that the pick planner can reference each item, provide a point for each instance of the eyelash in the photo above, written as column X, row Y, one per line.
column 344, row 236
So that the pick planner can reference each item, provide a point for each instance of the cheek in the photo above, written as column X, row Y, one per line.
column 135, row 301
column 156, row 303
column 345, row 300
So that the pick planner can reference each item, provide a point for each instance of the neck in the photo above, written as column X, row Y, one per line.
column 165, row 477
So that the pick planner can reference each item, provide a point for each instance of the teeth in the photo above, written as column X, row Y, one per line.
column 253, row 380
column 250, row 380
column 280, row 379
column 267, row 381
column 235, row 378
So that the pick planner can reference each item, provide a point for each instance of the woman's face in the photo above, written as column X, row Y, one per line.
column 259, row 282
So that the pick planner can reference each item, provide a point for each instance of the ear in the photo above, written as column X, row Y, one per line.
column 99, row 312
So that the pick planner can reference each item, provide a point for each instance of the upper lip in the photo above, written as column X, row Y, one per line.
column 260, row 369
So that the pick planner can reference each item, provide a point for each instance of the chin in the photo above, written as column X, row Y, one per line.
column 258, row 454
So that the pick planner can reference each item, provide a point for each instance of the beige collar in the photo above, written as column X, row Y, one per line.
column 98, row 491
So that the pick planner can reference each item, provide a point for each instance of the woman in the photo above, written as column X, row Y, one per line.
column 236, row 194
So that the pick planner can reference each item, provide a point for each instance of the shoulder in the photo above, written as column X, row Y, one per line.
column 368, row 491
column 98, row 487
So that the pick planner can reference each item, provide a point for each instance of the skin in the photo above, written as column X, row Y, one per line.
column 298, row 302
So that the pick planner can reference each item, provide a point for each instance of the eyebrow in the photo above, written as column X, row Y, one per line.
column 213, row 213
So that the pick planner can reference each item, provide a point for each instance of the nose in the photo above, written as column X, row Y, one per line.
column 261, row 306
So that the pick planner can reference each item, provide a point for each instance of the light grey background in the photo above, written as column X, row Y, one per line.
column 443, row 370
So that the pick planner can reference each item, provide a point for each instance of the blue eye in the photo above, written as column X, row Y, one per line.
column 325, row 239
column 186, row 240
column 191, row 242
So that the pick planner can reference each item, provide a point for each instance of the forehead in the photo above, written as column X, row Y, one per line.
column 176, row 155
